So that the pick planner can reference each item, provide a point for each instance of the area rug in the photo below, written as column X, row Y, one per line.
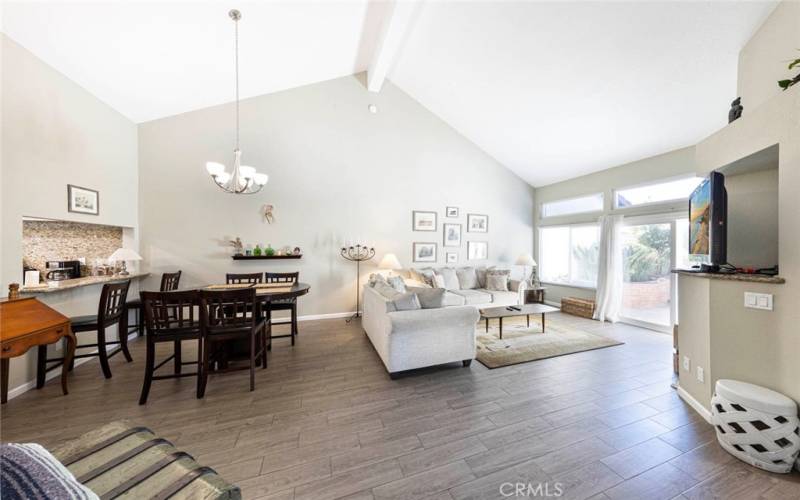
column 521, row 344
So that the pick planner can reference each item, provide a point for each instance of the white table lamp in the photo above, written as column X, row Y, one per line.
column 124, row 255
column 526, row 260
column 390, row 262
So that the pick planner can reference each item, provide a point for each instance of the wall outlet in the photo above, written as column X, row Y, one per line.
column 687, row 364
column 700, row 374
column 754, row 300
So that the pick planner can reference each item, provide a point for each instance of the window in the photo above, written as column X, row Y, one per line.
column 583, row 204
column 677, row 189
column 568, row 254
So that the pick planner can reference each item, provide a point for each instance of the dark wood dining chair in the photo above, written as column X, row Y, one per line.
column 240, row 278
column 170, row 317
column 110, row 311
column 169, row 282
column 283, row 304
column 219, row 326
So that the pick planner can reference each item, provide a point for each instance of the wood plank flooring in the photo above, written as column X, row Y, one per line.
column 326, row 422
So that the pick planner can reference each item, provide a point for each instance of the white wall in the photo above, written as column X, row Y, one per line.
column 764, row 59
column 676, row 163
column 55, row 133
column 336, row 170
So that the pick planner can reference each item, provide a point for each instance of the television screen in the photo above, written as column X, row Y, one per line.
column 700, row 219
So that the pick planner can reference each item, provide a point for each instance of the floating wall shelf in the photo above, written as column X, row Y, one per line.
column 263, row 257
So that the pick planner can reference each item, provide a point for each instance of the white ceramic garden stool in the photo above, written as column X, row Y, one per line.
column 756, row 425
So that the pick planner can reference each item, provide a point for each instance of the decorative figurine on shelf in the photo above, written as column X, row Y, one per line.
column 238, row 247
column 297, row 251
column 269, row 251
column 736, row 110
column 257, row 250
column 267, row 213
column 13, row 291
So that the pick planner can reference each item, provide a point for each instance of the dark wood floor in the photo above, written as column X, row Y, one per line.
column 325, row 421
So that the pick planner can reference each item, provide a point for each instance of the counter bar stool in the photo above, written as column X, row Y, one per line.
column 219, row 326
column 169, row 282
column 109, row 313
column 170, row 317
column 283, row 304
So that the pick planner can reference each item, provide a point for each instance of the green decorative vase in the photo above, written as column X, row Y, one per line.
column 257, row 251
column 269, row 251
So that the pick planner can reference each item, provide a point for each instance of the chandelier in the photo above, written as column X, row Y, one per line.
column 243, row 179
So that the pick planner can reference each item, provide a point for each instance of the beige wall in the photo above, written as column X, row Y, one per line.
column 669, row 165
column 336, row 170
column 55, row 133
column 763, row 61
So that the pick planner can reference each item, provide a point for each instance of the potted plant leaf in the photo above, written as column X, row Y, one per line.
column 785, row 84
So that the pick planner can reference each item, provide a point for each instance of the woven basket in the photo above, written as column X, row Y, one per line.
column 765, row 440
column 578, row 307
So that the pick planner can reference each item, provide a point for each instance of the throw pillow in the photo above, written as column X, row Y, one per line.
column 467, row 278
column 412, row 282
column 425, row 275
column 376, row 278
column 480, row 274
column 438, row 281
column 429, row 298
column 497, row 282
column 397, row 283
column 387, row 291
column 450, row 277
column 30, row 471
column 407, row 302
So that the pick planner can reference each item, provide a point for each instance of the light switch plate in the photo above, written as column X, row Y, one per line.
column 700, row 374
column 687, row 364
column 754, row 300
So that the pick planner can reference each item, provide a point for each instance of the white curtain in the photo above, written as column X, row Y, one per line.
column 609, row 273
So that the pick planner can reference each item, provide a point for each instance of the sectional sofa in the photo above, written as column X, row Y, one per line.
column 413, row 338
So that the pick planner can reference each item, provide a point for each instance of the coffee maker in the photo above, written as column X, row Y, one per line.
column 58, row 270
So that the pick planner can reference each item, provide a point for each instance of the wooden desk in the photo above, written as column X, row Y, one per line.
column 25, row 323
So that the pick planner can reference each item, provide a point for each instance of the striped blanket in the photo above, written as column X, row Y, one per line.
column 28, row 471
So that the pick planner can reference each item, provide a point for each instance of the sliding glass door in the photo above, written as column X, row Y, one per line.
column 651, row 248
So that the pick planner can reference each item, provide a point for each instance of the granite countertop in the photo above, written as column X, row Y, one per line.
column 77, row 282
column 753, row 278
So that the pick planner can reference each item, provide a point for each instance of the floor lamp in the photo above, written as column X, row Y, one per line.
column 357, row 253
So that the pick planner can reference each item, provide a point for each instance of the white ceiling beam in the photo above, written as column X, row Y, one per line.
column 395, row 25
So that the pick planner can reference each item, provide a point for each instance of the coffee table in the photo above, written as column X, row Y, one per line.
column 524, row 310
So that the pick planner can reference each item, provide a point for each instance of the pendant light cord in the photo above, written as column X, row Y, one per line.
column 236, row 58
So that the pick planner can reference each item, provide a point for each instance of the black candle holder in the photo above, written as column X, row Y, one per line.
column 357, row 253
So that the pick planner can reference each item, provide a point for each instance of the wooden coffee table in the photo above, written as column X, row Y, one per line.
column 524, row 310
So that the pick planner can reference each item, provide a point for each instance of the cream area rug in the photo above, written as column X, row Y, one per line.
column 521, row 344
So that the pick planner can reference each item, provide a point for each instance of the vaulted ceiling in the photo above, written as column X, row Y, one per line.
column 552, row 90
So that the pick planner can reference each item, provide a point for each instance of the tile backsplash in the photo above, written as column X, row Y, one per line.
column 61, row 240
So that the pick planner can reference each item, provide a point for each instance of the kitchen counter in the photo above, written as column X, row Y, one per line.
column 752, row 278
column 77, row 283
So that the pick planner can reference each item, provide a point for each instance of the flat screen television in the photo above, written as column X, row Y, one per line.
column 708, row 207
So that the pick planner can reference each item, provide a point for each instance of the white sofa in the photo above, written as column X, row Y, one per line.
column 407, row 340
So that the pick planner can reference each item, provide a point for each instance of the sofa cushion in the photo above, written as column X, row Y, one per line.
column 474, row 297
column 429, row 298
column 453, row 299
column 386, row 291
column 503, row 298
column 450, row 277
column 467, row 278
column 480, row 274
column 406, row 302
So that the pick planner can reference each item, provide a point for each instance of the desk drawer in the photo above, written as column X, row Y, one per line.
column 19, row 346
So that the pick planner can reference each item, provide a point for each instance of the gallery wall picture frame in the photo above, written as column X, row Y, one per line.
column 423, row 251
column 451, row 235
column 477, row 250
column 477, row 223
column 83, row 200
column 451, row 257
column 423, row 220
column 451, row 212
